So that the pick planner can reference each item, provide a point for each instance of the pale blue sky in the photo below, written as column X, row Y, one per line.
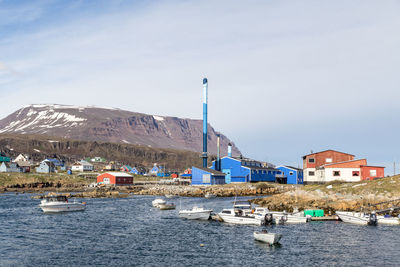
column 285, row 77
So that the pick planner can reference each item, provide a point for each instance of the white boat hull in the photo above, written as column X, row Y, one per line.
column 166, row 206
column 353, row 217
column 191, row 215
column 157, row 202
column 240, row 219
column 388, row 220
column 291, row 219
column 62, row 207
column 269, row 238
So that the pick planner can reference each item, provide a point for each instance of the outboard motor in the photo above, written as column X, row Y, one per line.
column 283, row 219
column 373, row 220
column 268, row 219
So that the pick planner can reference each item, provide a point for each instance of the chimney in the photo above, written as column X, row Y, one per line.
column 229, row 150
column 205, row 100
column 218, row 162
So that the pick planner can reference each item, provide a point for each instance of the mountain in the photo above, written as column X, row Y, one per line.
column 41, row 147
column 112, row 125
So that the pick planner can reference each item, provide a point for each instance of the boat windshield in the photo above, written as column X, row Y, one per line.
column 57, row 199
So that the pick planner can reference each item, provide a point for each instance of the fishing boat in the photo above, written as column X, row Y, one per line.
column 241, row 213
column 280, row 217
column 60, row 203
column 264, row 236
column 209, row 195
column 157, row 202
column 359, row 218
column 166, row 206
column 195, row 213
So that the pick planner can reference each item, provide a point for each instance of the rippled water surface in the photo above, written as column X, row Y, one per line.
column 127, row 232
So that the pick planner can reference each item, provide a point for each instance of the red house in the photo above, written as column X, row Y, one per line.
column 115, row 178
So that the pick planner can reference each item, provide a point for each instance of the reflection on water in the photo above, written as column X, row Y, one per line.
column 123, row 232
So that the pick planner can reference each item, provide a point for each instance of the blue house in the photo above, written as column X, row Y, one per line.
column 241, row 170
column 56, row 162
column 138, row 171
column 206, row 176
column 290, row 175
column 157, row 169
column 46, row 167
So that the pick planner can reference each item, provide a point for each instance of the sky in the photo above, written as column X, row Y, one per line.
column 285, row 77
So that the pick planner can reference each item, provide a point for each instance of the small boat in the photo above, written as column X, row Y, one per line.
column 280, row 217
column 166, row 206
column 357, row 217
column 388, row 220
column 209, row 195
column 171, row 196
column 264, row 236
column 195, row 214
column 60, row 203
column 157, row 202
column 241, row 213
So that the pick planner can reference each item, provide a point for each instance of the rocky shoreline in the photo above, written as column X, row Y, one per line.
column 329, row 197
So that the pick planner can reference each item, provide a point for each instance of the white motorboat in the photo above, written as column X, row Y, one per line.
column 388, row 220
column 60, row 204
column 166, row 206
column 357, row 217
column 278, row 217
column 209, row 195
column 157, row 202
column 236, row 216
column 270, row 238
column 171, row 196
column 195, row 213
column 242, row 213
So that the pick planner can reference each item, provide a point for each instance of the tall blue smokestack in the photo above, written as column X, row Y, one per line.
column 205, row 100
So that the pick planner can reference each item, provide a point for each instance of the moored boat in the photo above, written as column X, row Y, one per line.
column 359, row 218
column 157, row 202
column 171, row 196
column 195, row 213
column 60, row 203
column 209, row 195
column 270, row 238
column 388, row 220
column 166, row 206
column 241, row 213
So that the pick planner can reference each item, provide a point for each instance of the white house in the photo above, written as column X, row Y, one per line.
column 82, row 166
column 21, row 157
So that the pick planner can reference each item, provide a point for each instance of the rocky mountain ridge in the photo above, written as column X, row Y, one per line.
column 112, row 125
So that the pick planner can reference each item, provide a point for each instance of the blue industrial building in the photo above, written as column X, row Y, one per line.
column 240, row 170
column 290, row 175
column 206, row 176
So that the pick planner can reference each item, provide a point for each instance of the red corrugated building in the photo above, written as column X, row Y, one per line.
column 115, row 178
column 372, row 172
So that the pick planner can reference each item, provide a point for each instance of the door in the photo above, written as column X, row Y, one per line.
column 227, row 176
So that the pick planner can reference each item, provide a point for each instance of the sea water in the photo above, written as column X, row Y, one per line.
column 130, row 232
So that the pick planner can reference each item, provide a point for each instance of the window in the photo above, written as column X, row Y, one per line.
column 328, row 160
column 290, row 173
column 311, row 160
column 356, row 173
column 372, row 173
column 311, row 173
column 336, row 173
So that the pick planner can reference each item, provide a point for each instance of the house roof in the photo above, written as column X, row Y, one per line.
column 118, row 174
column 212, row 171
column 290, row 167
column 326, row 151
column 343, row 163
column 22, row 163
